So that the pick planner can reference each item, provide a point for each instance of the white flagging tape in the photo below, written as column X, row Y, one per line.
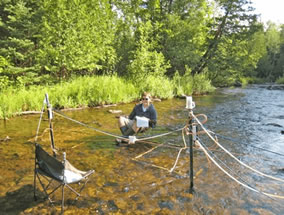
column 242, row 163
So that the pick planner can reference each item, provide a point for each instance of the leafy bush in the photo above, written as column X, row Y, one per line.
column 201, row 84
column 158, row 87
column 280, row 80
column 188, row 84
column 146, row 60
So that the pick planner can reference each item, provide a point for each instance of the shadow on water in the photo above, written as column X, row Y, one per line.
column 14, row 202
column 124, row 185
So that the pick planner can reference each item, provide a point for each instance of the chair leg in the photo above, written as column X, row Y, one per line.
column 62, row 203
column 44, row 189
column 35, row 198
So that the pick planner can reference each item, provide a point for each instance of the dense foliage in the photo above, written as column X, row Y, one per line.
column 198, row 43
column 271, row 64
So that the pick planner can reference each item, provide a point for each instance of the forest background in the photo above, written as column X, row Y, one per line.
column 93, row 52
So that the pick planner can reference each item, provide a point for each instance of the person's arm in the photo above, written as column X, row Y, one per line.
column 153, row 117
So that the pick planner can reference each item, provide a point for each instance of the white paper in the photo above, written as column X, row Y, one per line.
column 142, row 122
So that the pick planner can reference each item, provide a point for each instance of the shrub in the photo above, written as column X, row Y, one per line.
column 280, row 80
column 188, row 84
column 160, row 87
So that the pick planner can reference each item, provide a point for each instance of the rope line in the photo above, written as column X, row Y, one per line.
column 111, row 134
column 162, row 145
column 39, row 122
column 233, row 178
column 203, row 147
column 229, row 153
column 185, row 147
column 235, row 141
column 138, row 139
column 160, row 135
column 150, row 150
column 224, row 164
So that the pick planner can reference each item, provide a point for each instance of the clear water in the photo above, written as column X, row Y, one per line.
column 254, row 117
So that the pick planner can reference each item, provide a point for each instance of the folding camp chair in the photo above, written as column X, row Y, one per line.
column 51, row 169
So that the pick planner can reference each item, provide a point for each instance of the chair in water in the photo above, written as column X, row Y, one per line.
column 50, row 169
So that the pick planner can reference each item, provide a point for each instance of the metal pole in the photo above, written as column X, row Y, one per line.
column 50, row 123
column 190, row 155
column 190, row 104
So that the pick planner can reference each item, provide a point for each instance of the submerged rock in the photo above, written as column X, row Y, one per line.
column 275, row 87
column 166, row 204
column 274, row 124
column 111, row 205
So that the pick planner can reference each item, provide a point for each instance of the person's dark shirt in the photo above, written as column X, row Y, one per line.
column 150, row 113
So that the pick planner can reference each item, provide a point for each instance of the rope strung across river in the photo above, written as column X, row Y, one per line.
column 233, row 178
column 250, row 145
column 59, row 113
column 229, row 153
column 185, row 129
column 167, row 133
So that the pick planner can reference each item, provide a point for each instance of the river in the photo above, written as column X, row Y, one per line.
column 249, row 123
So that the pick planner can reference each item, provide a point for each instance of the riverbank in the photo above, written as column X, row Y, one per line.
column 96, row 91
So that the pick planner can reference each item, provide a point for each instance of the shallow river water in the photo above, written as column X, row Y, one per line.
column 249, row 123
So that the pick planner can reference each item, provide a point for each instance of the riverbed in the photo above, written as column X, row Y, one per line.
column 248, row 122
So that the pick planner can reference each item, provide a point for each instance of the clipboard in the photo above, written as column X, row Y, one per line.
column 142, row 122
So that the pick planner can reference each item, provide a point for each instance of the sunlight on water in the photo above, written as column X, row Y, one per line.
column 123, row 185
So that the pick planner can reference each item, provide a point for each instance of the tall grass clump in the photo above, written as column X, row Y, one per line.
column 15, row 101
column 80, row 92
column 201, row 84
column 191, row 84
column 98, row 90
column 158, row 87
column 92, row 91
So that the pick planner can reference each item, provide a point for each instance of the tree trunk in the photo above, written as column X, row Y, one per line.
column 212, row 47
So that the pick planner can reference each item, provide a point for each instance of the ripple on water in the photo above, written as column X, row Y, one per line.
column 252, row 116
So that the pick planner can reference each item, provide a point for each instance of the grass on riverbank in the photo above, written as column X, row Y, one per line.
column 280, row 80
column 93, row 91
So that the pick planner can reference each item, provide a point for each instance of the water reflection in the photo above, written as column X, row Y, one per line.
column 254, row 116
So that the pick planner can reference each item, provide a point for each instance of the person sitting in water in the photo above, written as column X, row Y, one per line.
column 128, row 125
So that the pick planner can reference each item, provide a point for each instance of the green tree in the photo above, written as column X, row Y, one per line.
column 18, row 40
column 267, row 65
column 184, row 32
column 77, row 36
column 278, row 70
column 235, row 19
column 146, row 60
